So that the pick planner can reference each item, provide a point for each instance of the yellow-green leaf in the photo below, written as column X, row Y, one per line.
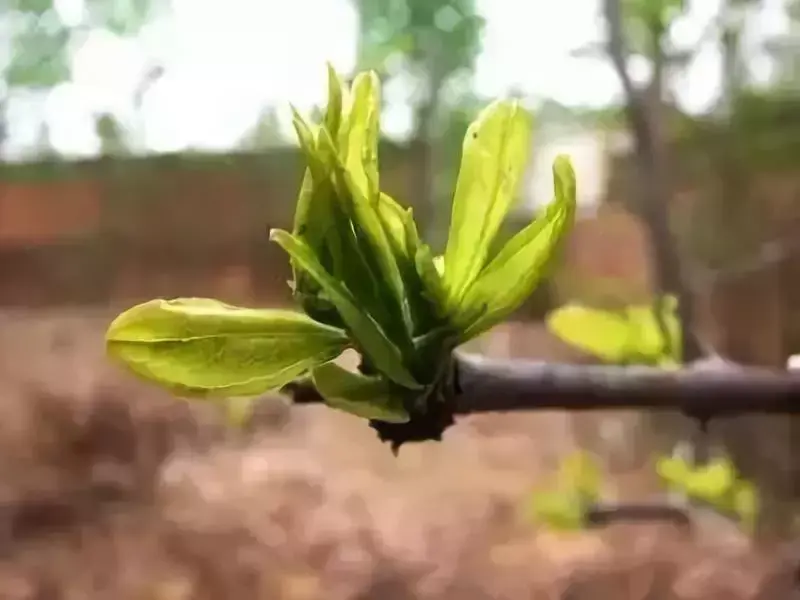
column 312, row 216
column 360, row 395
column 438, row 262
column 431, row 277
column 393, row 217
column 746, row 505
column 494, row 156
column 371, row 339
column 601, row 333
column 673, row 471
column 579, row 472
column 514, row 273
column 198, row 346
column 362, row 203
column 333, row 112
column 649, row 338
column 713, row 482
column 318, row 223
column 556, row 509
column 360, row 156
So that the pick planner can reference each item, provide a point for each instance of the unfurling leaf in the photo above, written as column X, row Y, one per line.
column 579, row 472
column 517, row 269
column 578, row 487
column 713, row 482
column 649, row 338
column 716, row 483
column 556, row 509
column 328, row 232
column 360, row 395
column 424, row 292
column 746, row 505
column 601, row 333
column 315, row 223
column 197, row 346
column 629, row 335
column 494, row 156
column 359, row 149
column 366, row 332
column 393, row 218
column 673, row 471
column 336, row 100
column 370, row 242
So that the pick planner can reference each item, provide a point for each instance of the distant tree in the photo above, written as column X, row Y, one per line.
column 40, row 40
column 265, row 133
column 433, row 44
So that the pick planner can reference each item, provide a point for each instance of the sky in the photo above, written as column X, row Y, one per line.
column 222, row 67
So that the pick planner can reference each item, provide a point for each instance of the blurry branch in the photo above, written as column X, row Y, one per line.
column 150, row 78
column 433, row 42
column 771, row 254
column 723, row 389
column 680, row 57
column 643, row 112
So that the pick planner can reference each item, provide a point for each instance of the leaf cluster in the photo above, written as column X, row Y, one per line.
column 627, row 335
column 716, row 483
column 365, row 280
column 577, row 486
column 632, row 335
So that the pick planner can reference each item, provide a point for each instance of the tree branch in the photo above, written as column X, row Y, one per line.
column 721, row 389
column 653, row 182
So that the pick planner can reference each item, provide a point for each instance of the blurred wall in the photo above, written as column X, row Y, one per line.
column 123, row 229
column 120, row 230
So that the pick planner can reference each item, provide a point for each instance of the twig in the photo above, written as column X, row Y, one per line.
column 488, row 385
column 602, row 515
column 653, row 183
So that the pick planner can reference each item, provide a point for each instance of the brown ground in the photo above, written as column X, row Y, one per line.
column 111, row 489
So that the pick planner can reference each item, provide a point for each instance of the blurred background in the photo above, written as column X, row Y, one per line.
column 146, row 150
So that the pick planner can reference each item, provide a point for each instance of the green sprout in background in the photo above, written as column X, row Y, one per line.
column 577, row 487
column 632, row 335
column 365, row 280
column 628, row 335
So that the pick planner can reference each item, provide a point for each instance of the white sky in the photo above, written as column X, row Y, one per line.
column 222, row 66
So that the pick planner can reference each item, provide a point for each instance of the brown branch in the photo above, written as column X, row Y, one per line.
column 602, row 515
column 653, row 182
column 488, row 385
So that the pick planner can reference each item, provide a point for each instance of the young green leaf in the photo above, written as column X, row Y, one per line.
column 746, row 505
column 330, row 234
column 494, row 156
column 438, row 262
column 713, row 482
column 630, row 335
column 361, row 204
column 673, row 471
column 340, row 243
column 360, row 157
column 424, row 264
column 649, row 338
column 601, row 333
column 523, row 260
column 424, row 298
column 371, row 339
column 559, row 510
column 431, row 277
column 198, row 346
column 307, row 212
column 316, row 223
column 333, row 112
column 360, row 395
column 393, row 218
column 579, row 472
